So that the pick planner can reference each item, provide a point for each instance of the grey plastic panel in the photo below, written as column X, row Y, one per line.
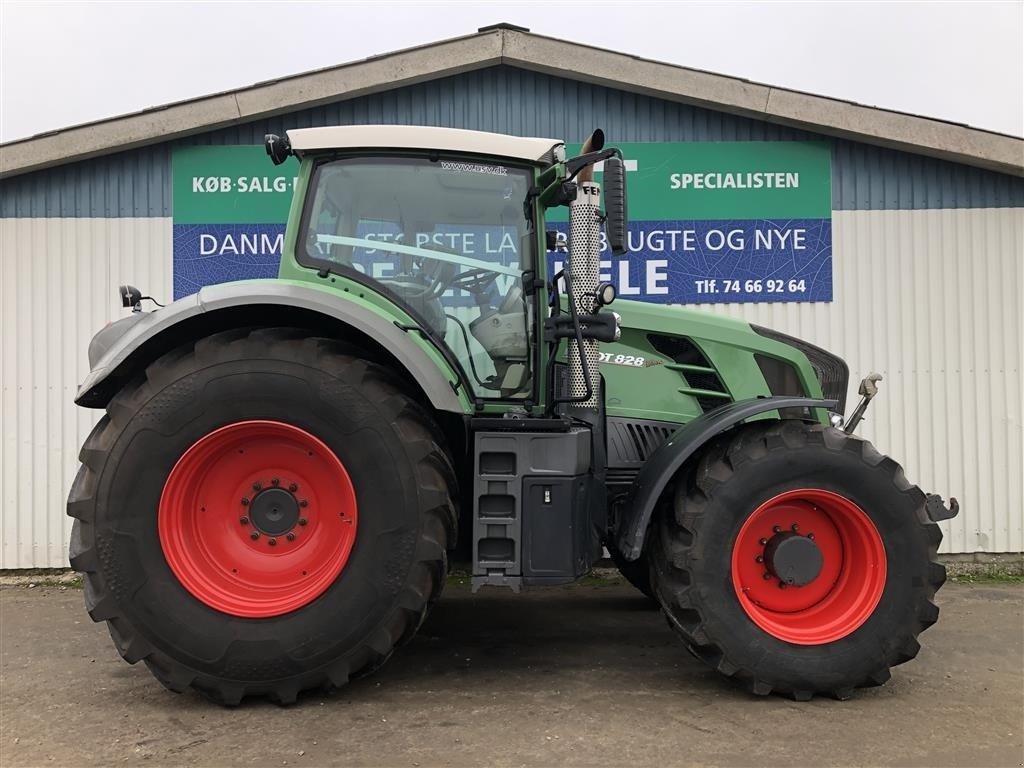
column 632, row 441
column 435, row 383
column 556, row 529
column 506, row 466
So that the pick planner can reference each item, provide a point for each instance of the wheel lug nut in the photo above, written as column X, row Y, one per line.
column 782, row 585
column 794, row 527
column 293, row 487
column 272, row 542
column 762, row 542
column 810, row 536
column 243, row 520
column 290, row 537
column 257, row 485
column 274, row 481
column 759, row 559
column 303, row 503
column 245, row 501
column 776, row 529
column 766, row 575
column 254, row 535
column 302, row 521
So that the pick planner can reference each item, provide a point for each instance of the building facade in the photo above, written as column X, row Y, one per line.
column 926, row 223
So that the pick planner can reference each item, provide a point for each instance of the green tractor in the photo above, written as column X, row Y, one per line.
column 285, row 467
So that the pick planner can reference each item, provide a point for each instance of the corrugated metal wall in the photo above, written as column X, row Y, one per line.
column 508, row 100
column 932, row 301
column 58, row 279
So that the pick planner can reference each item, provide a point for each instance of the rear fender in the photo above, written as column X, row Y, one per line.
column 685, row 443
column 124, row 347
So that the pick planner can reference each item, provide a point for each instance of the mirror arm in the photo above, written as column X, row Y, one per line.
column 558, row 192
column 552, row 173
column 577, row 164
column 562, row 190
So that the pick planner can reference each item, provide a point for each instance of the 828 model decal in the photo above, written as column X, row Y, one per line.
column 630, row 361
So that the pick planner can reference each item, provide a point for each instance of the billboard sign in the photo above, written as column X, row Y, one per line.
column 710, row 222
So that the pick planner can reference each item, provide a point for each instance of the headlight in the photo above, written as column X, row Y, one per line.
column 831, row 371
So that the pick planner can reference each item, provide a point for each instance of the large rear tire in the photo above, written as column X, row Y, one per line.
column 798, row 559
column 262, row 513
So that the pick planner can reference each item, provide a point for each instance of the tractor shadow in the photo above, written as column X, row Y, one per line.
column 542, row 638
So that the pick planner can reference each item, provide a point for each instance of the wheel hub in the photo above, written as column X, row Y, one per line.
column 808, row 566
column 257, row 518
column 796, row 560
column 274, row 511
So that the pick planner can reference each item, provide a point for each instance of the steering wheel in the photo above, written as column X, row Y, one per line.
column 474, row 280
column 444, row 275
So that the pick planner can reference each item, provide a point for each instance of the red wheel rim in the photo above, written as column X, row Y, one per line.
column 257, row 518
column 846, row 589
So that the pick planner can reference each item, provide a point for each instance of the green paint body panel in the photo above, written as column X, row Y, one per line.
column 341, row 289
column 652, row 391
column 648, row 391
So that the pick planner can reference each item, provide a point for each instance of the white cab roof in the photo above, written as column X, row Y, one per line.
column 422, row 137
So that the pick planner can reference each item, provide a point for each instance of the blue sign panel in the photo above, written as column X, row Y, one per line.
column 700, row 262
column 711, row 223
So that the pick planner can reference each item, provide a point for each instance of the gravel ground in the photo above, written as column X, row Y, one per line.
column 585, row 675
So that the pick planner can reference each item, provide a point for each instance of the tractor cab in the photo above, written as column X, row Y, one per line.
column 449, row 241
column 450, row 226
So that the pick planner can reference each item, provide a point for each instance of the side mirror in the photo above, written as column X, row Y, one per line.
column 130, row 297
column 278, row 147
column 614, row 189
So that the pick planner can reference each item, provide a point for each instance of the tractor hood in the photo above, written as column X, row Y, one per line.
column 673, row 363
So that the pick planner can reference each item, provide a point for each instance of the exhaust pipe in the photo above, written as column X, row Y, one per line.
column 583, row 267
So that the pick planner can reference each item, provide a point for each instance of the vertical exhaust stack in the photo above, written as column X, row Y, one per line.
column 583, row 269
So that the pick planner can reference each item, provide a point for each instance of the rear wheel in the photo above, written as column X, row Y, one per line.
column 798, row 559
column 260, row 514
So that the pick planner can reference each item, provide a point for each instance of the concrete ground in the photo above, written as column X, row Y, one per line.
column 586, row 675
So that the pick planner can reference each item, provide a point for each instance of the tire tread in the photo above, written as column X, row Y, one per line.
column 676, row 545
column 435, row 474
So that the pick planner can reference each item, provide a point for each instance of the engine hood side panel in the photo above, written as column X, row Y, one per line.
column 643, row 383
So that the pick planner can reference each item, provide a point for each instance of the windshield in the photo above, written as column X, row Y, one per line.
column 447, row 239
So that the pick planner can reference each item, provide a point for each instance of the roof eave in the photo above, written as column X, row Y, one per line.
column 311, row 89
column 518, row 48
column 817, row 114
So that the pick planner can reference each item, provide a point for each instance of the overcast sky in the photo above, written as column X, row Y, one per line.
column 72, row 62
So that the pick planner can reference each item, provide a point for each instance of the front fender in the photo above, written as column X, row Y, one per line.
column 113, row 349
column 684, row 443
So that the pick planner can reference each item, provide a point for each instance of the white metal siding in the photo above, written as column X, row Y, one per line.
column 58, row 283
column 930, row 298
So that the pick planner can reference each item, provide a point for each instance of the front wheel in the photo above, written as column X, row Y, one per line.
column 262, row 513
column 798, row 559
